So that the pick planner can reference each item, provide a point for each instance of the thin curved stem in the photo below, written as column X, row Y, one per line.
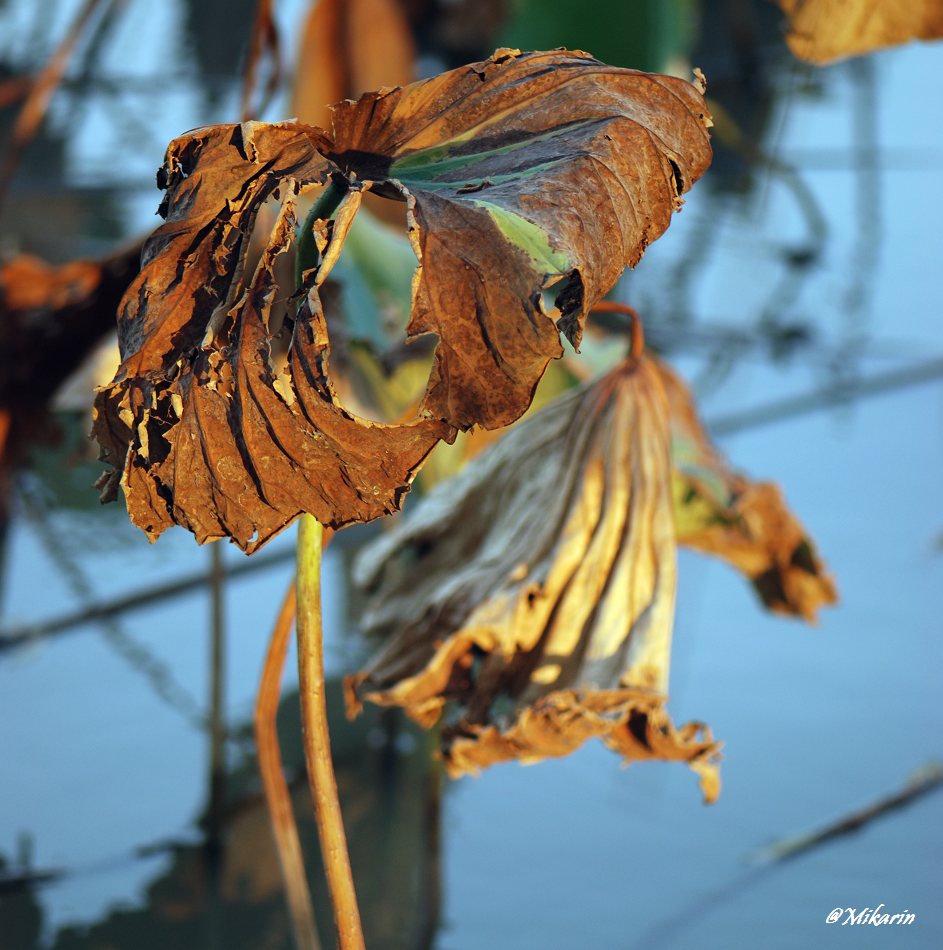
column 637, row 335
column 316, row 739
column 277, row 796
column 306, row 251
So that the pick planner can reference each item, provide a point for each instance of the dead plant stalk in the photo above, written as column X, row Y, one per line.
column 316, row 738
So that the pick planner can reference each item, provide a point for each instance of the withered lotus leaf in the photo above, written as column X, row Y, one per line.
column 719, row 511
column 525, row 176
column 536, row 590
column 823, row 31
column 207, row 432
column 523, row 173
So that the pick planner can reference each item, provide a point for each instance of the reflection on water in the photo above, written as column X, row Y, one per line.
column 390, row 790
column 806, row 258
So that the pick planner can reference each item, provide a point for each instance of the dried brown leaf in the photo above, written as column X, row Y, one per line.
column 206, row 430
column 523, row 173
column 519, row 173
column 748, row 524
column 536, row 589
column 823, row 31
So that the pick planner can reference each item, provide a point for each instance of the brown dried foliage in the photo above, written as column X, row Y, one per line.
column 719, row 511
column 519, row 173
column 222, row 440
column 536, row 590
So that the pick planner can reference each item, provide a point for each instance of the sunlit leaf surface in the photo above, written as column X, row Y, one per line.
column 748, row 524
column 535, row 591
column 530, row 180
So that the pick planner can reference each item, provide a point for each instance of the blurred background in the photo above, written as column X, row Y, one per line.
column 798, row 293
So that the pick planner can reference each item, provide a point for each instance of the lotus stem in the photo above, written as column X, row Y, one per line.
column 277, row 796
column 306, row 251
column 314, row 726
column 636, row 333
column 316, row 739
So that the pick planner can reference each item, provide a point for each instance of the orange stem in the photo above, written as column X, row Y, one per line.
column 638, row 335
column 277, row 796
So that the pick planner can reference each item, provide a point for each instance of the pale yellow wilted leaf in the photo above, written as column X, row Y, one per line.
column 823, row 31
column 748, row 524
column 536, row 590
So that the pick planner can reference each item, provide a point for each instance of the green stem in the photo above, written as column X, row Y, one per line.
column 306, row 250
column 316, row 739
column 315, row 735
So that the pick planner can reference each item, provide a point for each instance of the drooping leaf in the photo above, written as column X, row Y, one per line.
column 206, row 429
column 520, row 173
column 748, row 524
column 535, row 590
column 823, row 31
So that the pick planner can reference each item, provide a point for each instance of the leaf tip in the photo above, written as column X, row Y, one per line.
column 700, row 80
column 504, row 53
